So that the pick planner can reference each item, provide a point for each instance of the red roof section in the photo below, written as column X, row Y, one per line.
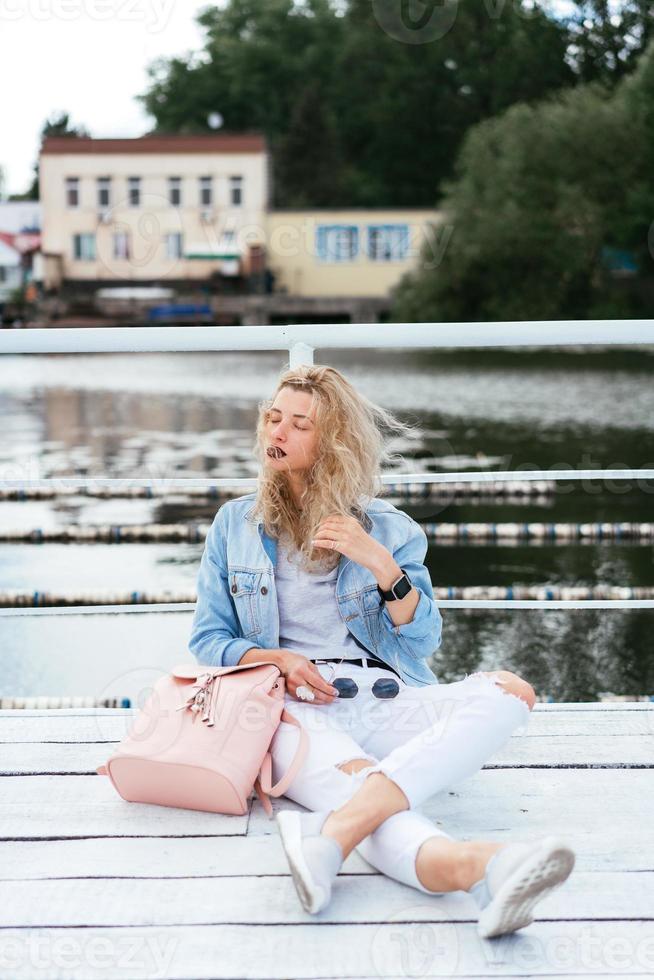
column 159, row 143
column 22, row 242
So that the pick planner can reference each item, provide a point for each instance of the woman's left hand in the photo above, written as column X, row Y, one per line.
column 345, row 534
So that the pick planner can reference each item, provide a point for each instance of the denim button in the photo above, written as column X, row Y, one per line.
column 234, row 587
column 264, row 590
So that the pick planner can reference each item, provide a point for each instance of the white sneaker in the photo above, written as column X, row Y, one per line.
column 314, row 858
column 517, row 877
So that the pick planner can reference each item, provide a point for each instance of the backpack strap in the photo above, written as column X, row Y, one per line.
column 262, row 783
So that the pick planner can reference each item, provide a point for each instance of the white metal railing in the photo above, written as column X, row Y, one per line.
column 300, row 340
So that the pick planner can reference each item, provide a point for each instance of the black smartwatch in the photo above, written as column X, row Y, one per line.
column 398, row 590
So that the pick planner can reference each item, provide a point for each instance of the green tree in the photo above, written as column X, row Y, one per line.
column 607, row 38
column 395, row 111
column 309, row 166
column 538, row 194
column 58, row 124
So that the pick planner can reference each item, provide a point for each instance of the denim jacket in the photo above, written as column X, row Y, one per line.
column 237, row 601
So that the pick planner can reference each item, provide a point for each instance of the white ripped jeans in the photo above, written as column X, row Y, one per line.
column 426, row 740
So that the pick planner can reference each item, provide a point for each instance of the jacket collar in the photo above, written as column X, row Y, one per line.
column 251, row 519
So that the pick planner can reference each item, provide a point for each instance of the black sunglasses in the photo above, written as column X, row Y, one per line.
column 384, row 687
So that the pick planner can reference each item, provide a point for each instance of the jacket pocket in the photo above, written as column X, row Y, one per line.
column 243, row 589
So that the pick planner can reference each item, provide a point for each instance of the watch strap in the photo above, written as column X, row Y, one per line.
column 388, row 595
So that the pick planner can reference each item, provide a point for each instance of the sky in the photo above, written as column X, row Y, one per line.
column 87, row 57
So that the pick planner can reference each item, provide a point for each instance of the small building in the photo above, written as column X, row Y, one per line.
column 158, row 209
column 20, row 242
column 192, row 213
column 11, row 269
column 354, row 252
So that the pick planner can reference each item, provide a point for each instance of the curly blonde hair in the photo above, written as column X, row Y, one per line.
column 345, row 477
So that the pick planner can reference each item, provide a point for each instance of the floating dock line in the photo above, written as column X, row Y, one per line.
column 537, row 531
column 53, row 701
column 437, row 532
column 241, row 485
column 486, row 488
column 16, row 599
column 559, row 593
column 12, row 598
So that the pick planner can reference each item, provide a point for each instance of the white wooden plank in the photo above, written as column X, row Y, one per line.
column 604, row 813
column 399, row 948
column 88, row 806
column 132, row 857
column 507, row 805
column 575, row 750
column 59, row 726
column 255, row 854
column 492, row 805
column 260, row 900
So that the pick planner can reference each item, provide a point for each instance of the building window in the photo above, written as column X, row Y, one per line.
column 134, row 191
column 84, row 246
column 388, row 243
column 206, row 192
column 121, row 245
column 337, row 243
column 174, row 245
column 175, row 191
column 104, row 192
column 236, row 190
column 72, row 192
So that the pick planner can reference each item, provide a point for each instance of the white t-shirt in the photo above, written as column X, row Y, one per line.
column 309, row 620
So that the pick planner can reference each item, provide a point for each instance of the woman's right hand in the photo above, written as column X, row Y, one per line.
column 298, row 670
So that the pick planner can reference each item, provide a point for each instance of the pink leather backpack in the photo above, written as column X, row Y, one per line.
column 201, row 740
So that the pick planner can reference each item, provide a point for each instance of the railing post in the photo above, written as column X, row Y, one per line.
column 299, row 354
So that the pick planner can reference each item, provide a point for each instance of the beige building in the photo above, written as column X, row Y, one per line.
column 136, row 221
column 354, row 252
column 155, row 209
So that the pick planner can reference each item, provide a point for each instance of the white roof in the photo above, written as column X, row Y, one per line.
column 8, row 255
column 18, row 216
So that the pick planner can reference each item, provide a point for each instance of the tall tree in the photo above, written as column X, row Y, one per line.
column 401, row 101
column 539, row 195
column 58, row 124
column 309, row 165
column 608, row 37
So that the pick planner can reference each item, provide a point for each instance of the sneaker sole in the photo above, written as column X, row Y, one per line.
column 309, row 892
column 539, row 874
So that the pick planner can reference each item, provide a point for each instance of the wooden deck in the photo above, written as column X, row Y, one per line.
column 93, row 886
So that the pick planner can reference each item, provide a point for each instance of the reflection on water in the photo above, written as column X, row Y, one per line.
column 565, row 656
column 176, row 415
